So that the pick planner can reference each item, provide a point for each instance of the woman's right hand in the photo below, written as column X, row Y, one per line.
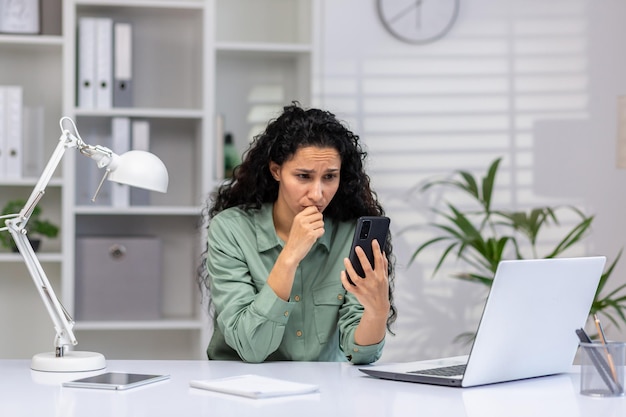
column 307, row 227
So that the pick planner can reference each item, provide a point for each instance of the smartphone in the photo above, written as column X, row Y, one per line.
column 367, row 229
column 115, row 381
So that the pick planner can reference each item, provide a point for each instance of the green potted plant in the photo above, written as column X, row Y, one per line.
column 481, row 236
column 36, row 226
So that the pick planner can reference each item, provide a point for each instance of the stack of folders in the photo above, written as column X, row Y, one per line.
column 104, row 63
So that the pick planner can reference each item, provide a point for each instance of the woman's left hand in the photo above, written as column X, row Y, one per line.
column 372, row 290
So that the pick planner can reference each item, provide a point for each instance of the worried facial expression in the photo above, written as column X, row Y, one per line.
column 309, row 178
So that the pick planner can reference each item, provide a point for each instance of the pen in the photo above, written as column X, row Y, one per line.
column 603, row 340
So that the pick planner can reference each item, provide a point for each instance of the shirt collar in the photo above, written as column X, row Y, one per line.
column 266, row 233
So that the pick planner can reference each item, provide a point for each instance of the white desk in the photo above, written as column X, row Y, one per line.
column 344, row 391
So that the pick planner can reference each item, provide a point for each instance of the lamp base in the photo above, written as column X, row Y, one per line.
column 72, row 361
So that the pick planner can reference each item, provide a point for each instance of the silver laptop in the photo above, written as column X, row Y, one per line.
column 527, row 327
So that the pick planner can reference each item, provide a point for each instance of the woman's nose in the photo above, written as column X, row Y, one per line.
column 315, row 191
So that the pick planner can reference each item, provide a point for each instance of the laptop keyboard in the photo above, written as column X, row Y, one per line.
column 443, row 371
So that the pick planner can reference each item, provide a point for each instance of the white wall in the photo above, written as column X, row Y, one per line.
column 533, row 81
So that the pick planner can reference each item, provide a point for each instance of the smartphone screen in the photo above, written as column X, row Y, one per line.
column 367, row 229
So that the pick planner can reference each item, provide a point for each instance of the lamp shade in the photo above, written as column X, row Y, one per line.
column 141, row 169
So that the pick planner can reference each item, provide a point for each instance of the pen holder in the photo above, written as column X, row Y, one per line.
column 602, row 369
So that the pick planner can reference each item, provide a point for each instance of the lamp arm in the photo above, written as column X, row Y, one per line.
column 16, row 226
column 67, row 140
column 63, row 322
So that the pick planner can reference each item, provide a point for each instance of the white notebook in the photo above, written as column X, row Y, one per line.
column 254, row 386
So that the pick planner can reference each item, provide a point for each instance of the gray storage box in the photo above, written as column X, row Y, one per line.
column 118, row 278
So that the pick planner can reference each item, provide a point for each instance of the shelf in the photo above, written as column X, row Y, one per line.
column 28, row 182
column 31, row 40
column 141, row 112
column 42, row 256
column 140, row 325
column 138, row 211
column 264, row 48
column 166, row 4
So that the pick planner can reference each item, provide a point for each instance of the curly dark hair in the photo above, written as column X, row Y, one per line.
column 252, row 183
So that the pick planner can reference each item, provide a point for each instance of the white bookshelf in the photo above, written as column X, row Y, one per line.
column 192, row 61
column 169, row 92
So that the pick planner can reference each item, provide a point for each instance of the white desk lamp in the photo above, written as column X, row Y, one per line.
column 136, row 168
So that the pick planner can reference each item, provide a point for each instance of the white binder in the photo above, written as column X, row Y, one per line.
column 104, row 63
column 3, row 153
column 140, row 142
column 13, row 131
column 120, row 130
column 86, row 93
column 141, row 135
column 33, row 134
column 122, row 65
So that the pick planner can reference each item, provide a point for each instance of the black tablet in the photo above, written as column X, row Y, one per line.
column 115, row 381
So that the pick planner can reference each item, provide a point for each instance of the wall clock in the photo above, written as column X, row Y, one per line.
column 418, row 21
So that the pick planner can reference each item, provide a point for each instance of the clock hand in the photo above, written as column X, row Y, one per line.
column 418, row 15
column 404, row 11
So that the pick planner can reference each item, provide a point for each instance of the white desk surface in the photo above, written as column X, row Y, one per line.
column 344, row 391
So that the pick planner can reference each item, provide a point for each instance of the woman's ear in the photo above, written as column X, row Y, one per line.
column 275, row 170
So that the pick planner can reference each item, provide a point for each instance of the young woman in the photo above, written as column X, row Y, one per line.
column 278, row 237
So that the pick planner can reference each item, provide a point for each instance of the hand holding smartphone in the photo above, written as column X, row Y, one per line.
column 367, row 229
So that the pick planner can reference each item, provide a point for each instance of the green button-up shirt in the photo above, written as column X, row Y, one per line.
column 252, row 323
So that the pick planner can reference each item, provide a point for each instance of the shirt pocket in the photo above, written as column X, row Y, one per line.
column 326, row 303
